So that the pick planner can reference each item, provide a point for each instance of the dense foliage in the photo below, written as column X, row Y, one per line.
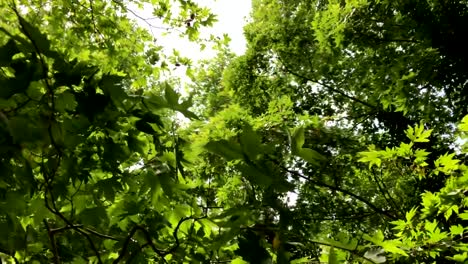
column 339, row 136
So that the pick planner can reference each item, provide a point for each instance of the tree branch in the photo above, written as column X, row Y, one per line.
column 99, row 234
column 60, row 229
column 55, row 211
column 338, row 189
column 176, row 230
column 328, row 87
column 148, row 239
column 384, row 190
column 125, row 245
column 53, row 244
column 151, row 26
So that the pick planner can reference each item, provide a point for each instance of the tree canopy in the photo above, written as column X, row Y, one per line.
column 339, row 136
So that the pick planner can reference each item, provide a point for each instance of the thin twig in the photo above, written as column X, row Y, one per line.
column 53, row 244
column 176, row 235
column 38, row 53
column 55, row 211
column 123, row 251
column 176, row 230
column 60, row 229
column 99, row 234
column 96, row 30
column 384, row 190
column 338, row 189
column 149, row 242
column 328, row 87
column 151, row 26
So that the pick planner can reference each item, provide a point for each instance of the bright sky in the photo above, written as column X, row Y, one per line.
column 231, row 15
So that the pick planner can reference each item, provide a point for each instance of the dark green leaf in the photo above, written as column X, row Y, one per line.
column 250, row 249
column 257, row 175
column 226, row 149
column 95, row 216
column 145, row 127
column 65, row 102
column 7, row 51
column 152, row 118
column 112, row 86
column 171, row 96
column 297, row 140
column 310, row 155
column 251, row 142
column 40, row 40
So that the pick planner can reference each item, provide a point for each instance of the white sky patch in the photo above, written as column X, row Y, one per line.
column 231, row 16
column 291, row 199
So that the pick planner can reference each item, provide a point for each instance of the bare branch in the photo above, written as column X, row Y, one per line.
column 328, row 87
column 60, row 229
column 55, row 211
column 53, row 244
column 338, row 189
column 149, row 241
column 99, row 234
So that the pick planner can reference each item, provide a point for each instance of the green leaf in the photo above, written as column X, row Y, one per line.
column 256, row 175
column 96, row 216
column 460, row 257
column 27, row 130
column 297, row 140
column 251, row 142
column 307, row 154
column 57, row 134
column 156, row 102
column 418, row 134
column 112, row 87
column 377, row 238
column 344, row 242
column 332, row 257
column 446, row 163
column 430, row 226
column 393, row 246
column 463, row 216
column 311, row 156
column 301, row 260
column 40, row 40
column 226, row 149
column 171, row 96
column 373, row 157
column 463, row 126
column 65, row 101
column 457, row 230
column 409, row 215
column 424, row 136
column 187, row 113
column 239, row 261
